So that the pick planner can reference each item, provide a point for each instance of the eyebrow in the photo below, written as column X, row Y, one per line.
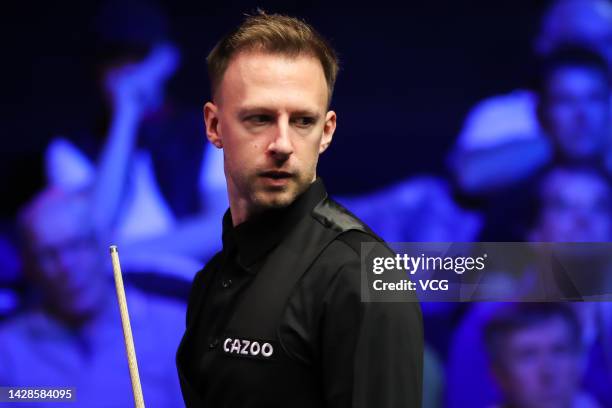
column 250, row 110
column 306, row 112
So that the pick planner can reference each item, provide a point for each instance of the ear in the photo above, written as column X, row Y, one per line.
column 328, row 131
column 211, row 120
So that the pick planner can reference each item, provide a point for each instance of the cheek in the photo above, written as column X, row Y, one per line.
column 601, row 116
column 312, row 145
column 561, row 117
column 519, row 376
column 311, row 157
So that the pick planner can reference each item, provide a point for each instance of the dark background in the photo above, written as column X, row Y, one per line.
column 409, row 74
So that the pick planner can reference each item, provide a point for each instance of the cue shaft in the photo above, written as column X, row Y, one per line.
column 127, row 329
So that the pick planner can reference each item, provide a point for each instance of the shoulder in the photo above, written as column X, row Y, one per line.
column 18, row 333
column 339, row 265
column 334, row 216
column 349, row 246
column 344, row 252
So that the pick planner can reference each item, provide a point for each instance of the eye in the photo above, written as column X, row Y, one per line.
column 258, row 119
column 304, row 121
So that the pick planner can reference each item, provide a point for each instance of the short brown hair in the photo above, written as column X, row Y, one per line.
column 275, row 34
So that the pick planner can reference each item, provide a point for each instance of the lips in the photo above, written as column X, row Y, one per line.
column 276, row 174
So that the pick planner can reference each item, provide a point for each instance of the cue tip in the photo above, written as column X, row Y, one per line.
column 113, row 248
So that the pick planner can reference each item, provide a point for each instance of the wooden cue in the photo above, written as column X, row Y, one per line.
column 127, row 330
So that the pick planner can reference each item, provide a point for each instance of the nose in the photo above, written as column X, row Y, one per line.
column 281, row 146
column 64, row 263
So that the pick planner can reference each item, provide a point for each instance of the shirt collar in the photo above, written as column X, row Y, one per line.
column 259, row 235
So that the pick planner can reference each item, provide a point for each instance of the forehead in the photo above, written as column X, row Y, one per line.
column 577, row 77
column 578, row 72
column 554, row 328
column 56, row 221
column 255, row 78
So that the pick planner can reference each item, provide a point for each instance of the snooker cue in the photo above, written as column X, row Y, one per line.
column 127, row 330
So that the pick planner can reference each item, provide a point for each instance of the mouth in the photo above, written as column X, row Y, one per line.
column 276, row 178
column 276, row 174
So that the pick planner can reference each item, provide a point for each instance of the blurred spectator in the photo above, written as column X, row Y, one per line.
column 71, row 334
column 574, row 104
column 574, row 203
column 574, row 110
column 146, row 186
column 536, row 355
column 421, row 209
column 502, row 141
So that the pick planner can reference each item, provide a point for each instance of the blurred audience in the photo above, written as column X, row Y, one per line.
column 572, row 204
column 503, row 142
column 70, row 334
column 536, row 356
column 419, row 209
column 157, row 183
column 537, row 163
column 574, row 111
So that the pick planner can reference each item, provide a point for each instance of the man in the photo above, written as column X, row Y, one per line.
column 71, row 336
column 156, row 203
column 573, row 204
column 536, row 355
column 276, row 318
column 574, row 110
column 505, row 128
column 574, row 104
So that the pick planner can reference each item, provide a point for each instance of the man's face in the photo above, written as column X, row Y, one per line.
column 576, row 111
column 575, row 208
column 66, row 258
column 541, row 366
column 270, row 117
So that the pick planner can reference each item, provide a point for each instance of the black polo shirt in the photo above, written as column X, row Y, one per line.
column 254, row 340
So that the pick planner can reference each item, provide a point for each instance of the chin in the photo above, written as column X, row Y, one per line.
column 276, row 199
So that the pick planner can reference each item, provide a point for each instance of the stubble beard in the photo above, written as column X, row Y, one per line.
column 264, row 197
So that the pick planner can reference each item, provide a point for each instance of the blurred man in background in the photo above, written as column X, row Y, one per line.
column 502, row 141
column 572, row 204
column 70, row 335
column 159, row 197
column 536, row 356
column 574, row 111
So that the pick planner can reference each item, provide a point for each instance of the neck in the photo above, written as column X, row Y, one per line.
column 240, row 212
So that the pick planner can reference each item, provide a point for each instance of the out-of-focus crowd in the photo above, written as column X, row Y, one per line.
column 531, row 165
